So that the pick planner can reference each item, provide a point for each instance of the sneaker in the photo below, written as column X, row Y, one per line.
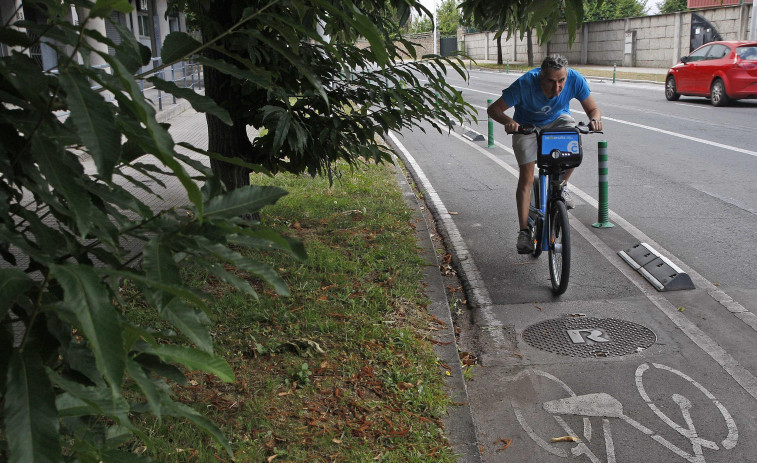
column 525, row 243
column 568, row 198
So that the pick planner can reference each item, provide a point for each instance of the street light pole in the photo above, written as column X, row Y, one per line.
column 436, row 13
column 753, row 26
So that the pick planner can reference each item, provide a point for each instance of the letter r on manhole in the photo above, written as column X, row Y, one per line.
column 577, row 336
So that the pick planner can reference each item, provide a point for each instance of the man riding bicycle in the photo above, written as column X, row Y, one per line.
column 541, row 97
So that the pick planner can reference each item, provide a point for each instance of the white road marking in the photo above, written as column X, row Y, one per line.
column 478, row 290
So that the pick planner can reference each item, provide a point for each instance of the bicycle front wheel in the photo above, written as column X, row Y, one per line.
column 559, row 247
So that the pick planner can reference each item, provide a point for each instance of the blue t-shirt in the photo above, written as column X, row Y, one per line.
column 533, row 107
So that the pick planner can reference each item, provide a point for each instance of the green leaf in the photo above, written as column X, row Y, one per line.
column 199, row 102
column 147, row 385
column 66, row 180
column 178, row 46
column 268, row 240
column 235, row 161
column 161, row 145
column 242, row 200
column 31, row 419
column 90, row 400
column 130, row 52
column 368, row 29
column 87, row 305
column 282, row 130
column 103, row 8
column 14, row 38
column 13, row 283
column 153, row 364
column 191, row 321
column 95, row 119
column 227, row 277
column 257, row 76
column 176, row 290
column 69, row 405
column 160, row 267
column 184, row 411
column 264, row 271
column 195, row 360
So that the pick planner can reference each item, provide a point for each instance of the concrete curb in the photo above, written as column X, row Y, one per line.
column 584, row 73
column 459, row 424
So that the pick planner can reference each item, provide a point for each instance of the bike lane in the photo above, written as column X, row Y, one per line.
column 611, row 363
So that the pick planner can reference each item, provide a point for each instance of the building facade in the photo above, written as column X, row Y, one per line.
column 148, row 22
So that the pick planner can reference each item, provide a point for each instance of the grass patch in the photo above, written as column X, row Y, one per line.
column 340, row 371
column 585, row 70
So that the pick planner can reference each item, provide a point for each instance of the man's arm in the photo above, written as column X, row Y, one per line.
column 497, row 112
column 592, row 111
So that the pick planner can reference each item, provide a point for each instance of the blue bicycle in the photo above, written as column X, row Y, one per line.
column 558, row 150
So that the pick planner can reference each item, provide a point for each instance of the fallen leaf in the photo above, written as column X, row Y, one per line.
column 681, row 309
column 336, row 441
column 507, row 443
column 403, row 385
column 271, row 458
column 453, row 213
column 565, row 439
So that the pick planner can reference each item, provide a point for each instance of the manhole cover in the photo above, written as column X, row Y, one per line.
column 589, row 337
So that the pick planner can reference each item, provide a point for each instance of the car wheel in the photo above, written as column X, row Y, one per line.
column 718, row 96
column 670, row 89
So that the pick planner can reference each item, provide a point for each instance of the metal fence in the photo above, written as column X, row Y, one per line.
column 187, row 74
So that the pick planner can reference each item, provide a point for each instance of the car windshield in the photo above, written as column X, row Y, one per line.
column 747, row 53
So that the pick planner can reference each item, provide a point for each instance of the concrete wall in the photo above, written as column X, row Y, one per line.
column 423, row 43
column 647, row 41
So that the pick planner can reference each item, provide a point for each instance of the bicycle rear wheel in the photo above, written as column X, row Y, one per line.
column 535, row 222
column 559, row 247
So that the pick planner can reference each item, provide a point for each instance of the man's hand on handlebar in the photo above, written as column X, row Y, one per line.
column 511, row 126
column 595, row 125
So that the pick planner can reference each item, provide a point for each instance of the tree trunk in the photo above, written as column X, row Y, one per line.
column 530, row 46
column 230, row 141
column 499, row 50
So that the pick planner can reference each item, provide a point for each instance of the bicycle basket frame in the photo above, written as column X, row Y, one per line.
column 559, row 148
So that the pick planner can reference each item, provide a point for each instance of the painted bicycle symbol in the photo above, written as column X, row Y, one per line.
column 602, row 405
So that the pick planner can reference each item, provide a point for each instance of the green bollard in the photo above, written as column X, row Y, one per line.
column 491, row 127
column 614, row 69
column 603, row 216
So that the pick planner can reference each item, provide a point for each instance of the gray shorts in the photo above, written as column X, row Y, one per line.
column 526, row 146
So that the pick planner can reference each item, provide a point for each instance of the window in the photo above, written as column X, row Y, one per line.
column 699, row 55
column 748, row 53
column 143, row 24
column 718, row 51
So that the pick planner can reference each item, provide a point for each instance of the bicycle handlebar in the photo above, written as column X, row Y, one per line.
column 529, row 129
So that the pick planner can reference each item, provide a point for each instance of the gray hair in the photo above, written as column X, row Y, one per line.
column 553, row 62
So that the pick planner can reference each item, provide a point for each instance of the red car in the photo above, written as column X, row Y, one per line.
column 721, row 71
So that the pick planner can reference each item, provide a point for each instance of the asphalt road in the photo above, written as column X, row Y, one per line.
column 631, row 373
